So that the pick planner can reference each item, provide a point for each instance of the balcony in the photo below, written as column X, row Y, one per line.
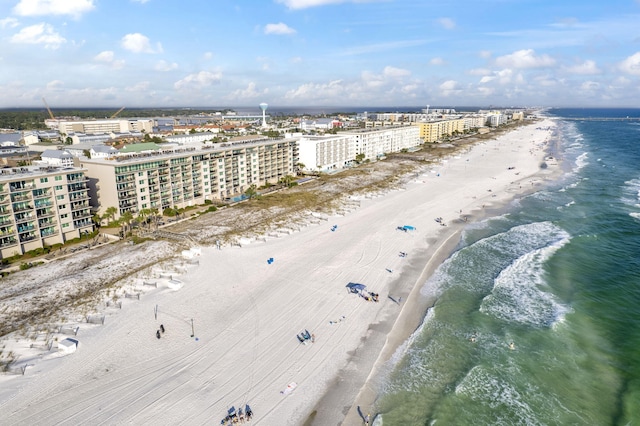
column 77, row 188
column 25, row 228
column 81, row 215
column 40, row 204
column 45, row 213
column 17, row 187
column 78, row 197
column 17, row 209
column 8, row 242
column 47, row 232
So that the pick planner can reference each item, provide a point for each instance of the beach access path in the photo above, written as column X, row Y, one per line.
column 231, row 319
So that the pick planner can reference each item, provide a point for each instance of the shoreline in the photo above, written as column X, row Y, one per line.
column 413, row 312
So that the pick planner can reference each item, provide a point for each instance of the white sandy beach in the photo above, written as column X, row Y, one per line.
column 245, row 313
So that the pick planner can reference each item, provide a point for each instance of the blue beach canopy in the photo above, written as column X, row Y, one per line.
column 356, row 286
column 409, row 227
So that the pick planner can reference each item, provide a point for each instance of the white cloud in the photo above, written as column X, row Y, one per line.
column 54, row 86
column 450, row 87
column 393, row 72
column 382, row 47
column 586, row 68
column 485, row 54
column 304, row 4
column 249, row 92
column 589, row 86
column 480, row 71
column 165, row 66
column 107, row 57
column 140, row 1
column 279, row 29
column 74, row 8
column 436, row 61
column 331, row 90
column 631, row 65
column 447, row 23
column 503, row 77
column 39, row 34
column 9, row 23
column 198, row 80
column 138, row 43
column 525, row 58
column 207, row 56
column 142, row 86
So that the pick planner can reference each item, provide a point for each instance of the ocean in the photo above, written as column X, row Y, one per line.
column 537, row 320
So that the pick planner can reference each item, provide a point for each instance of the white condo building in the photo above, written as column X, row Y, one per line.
column 323, row 153
column 375, row 143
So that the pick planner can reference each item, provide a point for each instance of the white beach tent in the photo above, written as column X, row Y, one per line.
column 67, row 346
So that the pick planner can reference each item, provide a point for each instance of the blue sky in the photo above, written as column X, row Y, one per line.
column 207, row 53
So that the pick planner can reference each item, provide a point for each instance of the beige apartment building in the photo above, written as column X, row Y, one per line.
column 42, row 206
column 431, row 131
column 93, row 127
column 186, row 176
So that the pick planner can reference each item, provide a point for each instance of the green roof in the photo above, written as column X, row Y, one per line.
column 139, row 147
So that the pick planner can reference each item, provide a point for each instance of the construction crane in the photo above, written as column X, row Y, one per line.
column 48, row 109
column 116, row 113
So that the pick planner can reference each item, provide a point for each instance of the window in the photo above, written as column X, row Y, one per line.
column 64, row 216
column 65, row 225
column 58, row 177
column 44, row 180
column 59, row 197
column 62, row 206
column 58, row 187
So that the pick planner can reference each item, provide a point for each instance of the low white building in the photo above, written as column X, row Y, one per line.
column 102, row 151
column 57, row 157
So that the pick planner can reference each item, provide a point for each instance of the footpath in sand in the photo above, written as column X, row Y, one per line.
column 231, row 320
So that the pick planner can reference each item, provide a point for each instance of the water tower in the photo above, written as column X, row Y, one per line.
column 264, row 107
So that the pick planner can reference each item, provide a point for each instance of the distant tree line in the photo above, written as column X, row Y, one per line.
column 22, row 119
column 33, row 119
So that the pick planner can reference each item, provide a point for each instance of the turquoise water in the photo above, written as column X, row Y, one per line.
column 537, row 321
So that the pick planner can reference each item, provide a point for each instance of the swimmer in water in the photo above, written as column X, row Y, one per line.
column 512, row 346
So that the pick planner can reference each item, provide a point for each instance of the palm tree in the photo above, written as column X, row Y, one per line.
column 143, row 215
column 126, row 218
column 287, row 180
column 251, row 192
column 154, row 213
column 110, row 214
